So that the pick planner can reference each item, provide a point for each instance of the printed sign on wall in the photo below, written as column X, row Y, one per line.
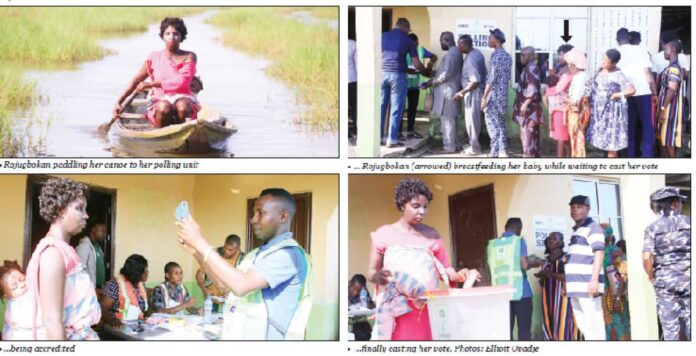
column 477, row 29
column 544, row 225
column 607, row 20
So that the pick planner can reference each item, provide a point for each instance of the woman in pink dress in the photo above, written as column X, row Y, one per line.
column 170, row 72
column 63, row 300
column 558, row 105
column 412, row 197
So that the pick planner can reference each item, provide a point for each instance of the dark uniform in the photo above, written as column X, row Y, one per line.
column 669, row 240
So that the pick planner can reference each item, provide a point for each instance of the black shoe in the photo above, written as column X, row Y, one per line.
column 414, row 134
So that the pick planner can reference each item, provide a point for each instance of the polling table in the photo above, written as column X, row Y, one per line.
column 168, row 327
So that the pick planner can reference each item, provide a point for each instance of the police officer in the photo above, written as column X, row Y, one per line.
column 667, row 261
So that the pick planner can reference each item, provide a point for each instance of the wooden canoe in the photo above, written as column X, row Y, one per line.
column 134, row 132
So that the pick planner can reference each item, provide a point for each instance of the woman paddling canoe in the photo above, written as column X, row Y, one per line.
column 170, row 72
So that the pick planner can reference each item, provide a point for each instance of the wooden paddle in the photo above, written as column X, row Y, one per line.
column 104, row 128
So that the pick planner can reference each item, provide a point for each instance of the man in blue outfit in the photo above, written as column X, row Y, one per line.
column 508, row 262
column 270, row 284
column 495, row 97
column 395, row 45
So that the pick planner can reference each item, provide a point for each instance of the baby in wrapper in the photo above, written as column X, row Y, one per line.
column 414, row 271
column 19, row 304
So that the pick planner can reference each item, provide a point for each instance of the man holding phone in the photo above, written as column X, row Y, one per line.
column 269, row 298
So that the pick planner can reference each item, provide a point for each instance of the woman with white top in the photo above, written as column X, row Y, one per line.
column 578, row 102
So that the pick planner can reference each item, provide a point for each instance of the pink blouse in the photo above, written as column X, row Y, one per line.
column 174, row 77
column 388, row 235
column 558, row 95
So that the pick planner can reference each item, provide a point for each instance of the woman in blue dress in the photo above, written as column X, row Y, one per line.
column 608, row 130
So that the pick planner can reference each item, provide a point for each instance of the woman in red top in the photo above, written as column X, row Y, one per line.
column 170, row 72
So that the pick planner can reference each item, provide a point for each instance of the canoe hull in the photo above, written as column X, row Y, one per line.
column 193, row 137
column 134, row 133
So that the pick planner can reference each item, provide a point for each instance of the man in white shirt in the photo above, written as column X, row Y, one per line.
column 636, row 65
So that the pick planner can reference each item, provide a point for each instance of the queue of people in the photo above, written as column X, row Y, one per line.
column 583, row 287
column 622, row 109
column 267, row 293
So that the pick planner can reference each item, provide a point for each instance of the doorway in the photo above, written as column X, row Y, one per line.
column 101, row 203
column 351, row 22
column 677, row 19
column 387, row 19
column 473, row 224
column 301, row 226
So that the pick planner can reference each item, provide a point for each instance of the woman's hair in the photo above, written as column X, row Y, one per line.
column 175, row 22
column 677, row 45
column 360, row 279
column 565, row 48
column 621, row 244
column 546, row 242
column 134, row 268
column 56, row 195
column 613, row 55
column 608, row 231
column 408, row 189
column 7, row 267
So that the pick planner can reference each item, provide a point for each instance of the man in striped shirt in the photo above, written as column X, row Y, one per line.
column 584, row 273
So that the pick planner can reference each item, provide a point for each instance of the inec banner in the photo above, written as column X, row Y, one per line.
column 476, row 28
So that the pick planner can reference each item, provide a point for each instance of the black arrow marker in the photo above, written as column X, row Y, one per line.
column 566, row 25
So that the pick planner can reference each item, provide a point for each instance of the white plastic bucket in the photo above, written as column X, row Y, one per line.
column 481, row 313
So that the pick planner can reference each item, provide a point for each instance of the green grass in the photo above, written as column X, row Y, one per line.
column 15, row 93
column 54, row 37
column 323, row 12
column 50, row 36
column 303, row 56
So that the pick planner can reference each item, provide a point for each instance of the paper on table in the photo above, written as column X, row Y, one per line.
column 194, row 319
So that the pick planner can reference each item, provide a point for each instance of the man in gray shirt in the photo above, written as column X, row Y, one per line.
column 446, row 84
column 473, row 73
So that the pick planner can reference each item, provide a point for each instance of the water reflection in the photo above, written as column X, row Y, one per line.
column 264, row 110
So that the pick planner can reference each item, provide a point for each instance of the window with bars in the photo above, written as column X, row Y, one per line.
column 605, row 201
column 542, row 28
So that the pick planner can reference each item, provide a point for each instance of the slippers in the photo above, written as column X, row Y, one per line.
column 414, row 134
column 394, row 145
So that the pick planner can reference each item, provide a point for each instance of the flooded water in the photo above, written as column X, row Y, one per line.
column 263, row 109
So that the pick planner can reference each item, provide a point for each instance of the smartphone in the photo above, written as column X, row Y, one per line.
column 182, row 210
